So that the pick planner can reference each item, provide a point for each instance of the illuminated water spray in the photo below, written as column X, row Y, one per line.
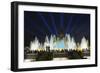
column 84, row 44
column 55, row 43
column 34, row 45
column 71, row 44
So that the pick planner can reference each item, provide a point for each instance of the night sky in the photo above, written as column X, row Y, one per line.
column 40, row 24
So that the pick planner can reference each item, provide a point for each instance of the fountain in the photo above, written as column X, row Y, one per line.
column 66, row 42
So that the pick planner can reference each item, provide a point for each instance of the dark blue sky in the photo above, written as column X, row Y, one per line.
column 41, row 24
